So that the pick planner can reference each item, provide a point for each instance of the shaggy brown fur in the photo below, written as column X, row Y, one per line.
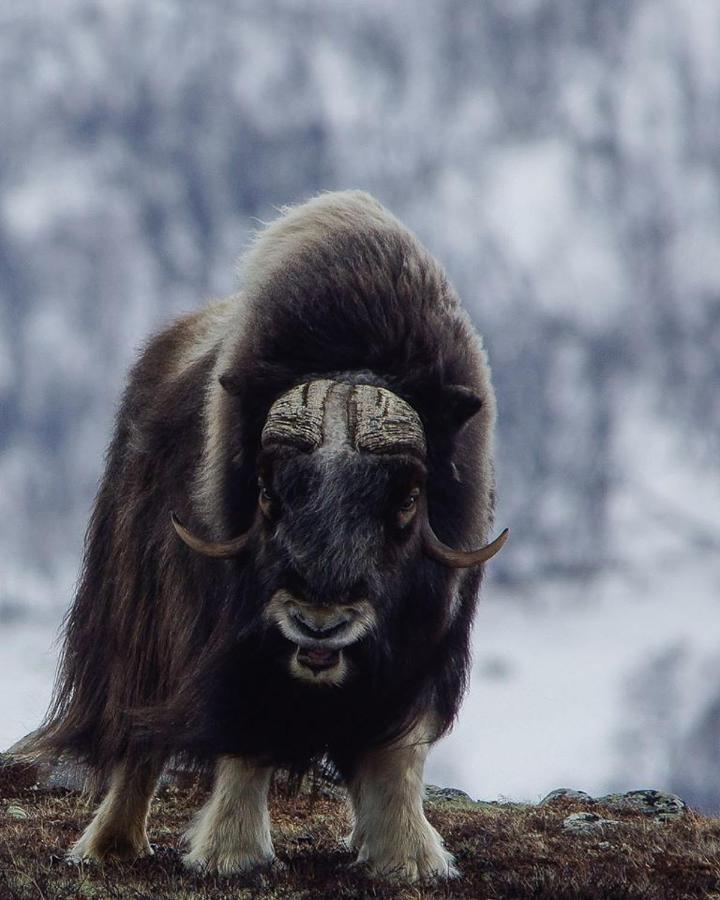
column 167, row 651
column 337, row 285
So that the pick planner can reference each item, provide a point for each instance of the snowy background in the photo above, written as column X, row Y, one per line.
column 562, row 158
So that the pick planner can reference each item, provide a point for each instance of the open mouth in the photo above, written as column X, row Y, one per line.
column 319, row 665
column 318, row 660
column 320, row 637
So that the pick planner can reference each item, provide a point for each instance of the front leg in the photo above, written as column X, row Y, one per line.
column 117, row 830
column 231, row 833
column 391, row 832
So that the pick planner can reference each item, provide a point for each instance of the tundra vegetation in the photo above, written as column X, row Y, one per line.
column 504, row 850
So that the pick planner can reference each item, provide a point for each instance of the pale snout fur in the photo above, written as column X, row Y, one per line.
column 322, row 628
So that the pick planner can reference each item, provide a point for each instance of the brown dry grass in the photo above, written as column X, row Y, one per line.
column 503, row 851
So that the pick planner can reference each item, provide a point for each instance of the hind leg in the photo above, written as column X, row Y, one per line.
column 117, row 830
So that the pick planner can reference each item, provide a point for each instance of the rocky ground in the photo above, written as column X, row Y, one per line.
column 638, row 845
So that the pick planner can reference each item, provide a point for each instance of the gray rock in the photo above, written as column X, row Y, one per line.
column 19, row 746
column 435, row 794
column 587, row 823
column 659, row 805
column 66, row 775
column 565, row 794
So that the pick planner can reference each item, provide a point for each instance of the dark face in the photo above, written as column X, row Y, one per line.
column 341, row 526
column 341, row 522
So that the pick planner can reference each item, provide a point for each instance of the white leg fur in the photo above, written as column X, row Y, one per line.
column 118, row 827
column 391, row 832
column 231, row 833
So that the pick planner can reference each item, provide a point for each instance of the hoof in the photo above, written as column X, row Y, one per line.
column 225, row 866
column 99, row 848
column 427, row 863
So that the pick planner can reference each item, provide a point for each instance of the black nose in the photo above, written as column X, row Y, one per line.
column 311, row 629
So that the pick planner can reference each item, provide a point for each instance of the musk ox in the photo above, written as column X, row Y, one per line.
column 280, row 564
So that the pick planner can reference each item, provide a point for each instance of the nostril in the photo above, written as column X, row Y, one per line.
column 308, row 623
column 317, row 629
column 326, row 629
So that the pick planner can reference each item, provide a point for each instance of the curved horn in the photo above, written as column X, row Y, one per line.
column 459, row 559
column 221, row 549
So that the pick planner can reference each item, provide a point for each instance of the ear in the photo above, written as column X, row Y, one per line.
column 230, row 384
column 457, row 404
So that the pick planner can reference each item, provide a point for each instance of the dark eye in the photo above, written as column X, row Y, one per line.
column 410, row 501
column 406, row 510
column 265, row 496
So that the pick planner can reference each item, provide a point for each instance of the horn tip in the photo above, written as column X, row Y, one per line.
column 501, row 539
